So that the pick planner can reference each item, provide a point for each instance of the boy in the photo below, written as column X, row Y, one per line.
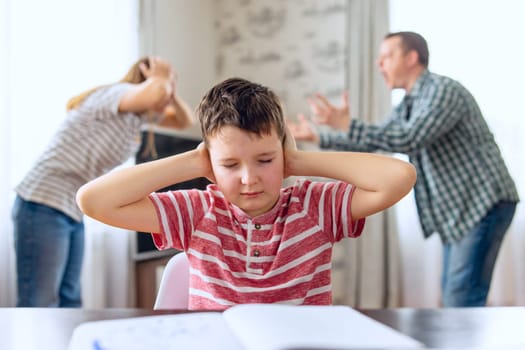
column 249, row 240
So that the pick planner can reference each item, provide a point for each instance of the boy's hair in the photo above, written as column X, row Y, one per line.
column 243, row 104
column 413, row 41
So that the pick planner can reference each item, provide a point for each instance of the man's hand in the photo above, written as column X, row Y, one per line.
column 326, row 113
column 302, row 130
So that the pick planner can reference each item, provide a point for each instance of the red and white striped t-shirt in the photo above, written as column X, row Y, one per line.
column 282, row 256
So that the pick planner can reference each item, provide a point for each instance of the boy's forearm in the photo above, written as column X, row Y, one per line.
column 368, row 171
column 151, row 176
column 129, row 185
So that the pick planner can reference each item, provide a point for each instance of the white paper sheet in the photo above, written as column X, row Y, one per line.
column 280, row 327
column 193, row 331
column 244, row 327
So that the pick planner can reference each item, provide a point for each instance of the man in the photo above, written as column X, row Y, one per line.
column 464, row 191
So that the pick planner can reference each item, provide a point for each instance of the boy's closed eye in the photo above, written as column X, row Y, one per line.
column 233, row 165
column 229, row 165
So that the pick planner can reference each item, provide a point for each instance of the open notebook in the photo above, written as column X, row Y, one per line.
column 244, row 327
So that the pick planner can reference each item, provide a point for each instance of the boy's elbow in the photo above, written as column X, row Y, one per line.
column 84, row 199
column 401, row 183
column 412, row 174
column 407, row 178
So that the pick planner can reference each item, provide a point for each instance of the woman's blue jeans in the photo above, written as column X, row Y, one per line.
column 49, row 249
column 469, row 263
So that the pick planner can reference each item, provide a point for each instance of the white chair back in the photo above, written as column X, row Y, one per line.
column 174, row 285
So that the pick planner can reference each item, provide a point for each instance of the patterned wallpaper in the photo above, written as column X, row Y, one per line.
column 296, row 47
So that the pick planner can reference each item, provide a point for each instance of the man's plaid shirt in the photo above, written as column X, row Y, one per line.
column 461, row 172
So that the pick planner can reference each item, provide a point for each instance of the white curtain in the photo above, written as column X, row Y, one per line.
column 6, row 258
column 52, row 50
column 480, row 47
column 370, row 273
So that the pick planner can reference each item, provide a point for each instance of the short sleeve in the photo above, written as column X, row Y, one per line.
column 178, row 213
column 330, row 203
column 105, row 101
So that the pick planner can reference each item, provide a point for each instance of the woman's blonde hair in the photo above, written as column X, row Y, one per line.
column 134, row 76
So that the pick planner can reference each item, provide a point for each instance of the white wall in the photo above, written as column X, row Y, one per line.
column 183, row 32
column 296, row 47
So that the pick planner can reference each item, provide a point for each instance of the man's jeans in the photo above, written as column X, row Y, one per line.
column 469, row 263
column 49, row 252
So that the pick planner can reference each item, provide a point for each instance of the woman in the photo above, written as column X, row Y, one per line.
column 101, row 131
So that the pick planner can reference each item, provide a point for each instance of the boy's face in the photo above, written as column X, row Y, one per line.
column 248, row 169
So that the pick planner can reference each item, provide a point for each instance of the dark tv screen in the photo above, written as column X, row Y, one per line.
column 166, row 145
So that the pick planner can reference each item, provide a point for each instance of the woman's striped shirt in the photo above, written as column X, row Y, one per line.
column 93, row 139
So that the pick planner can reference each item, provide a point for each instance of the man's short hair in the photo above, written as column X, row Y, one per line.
column 241, row 103
column 413, row 41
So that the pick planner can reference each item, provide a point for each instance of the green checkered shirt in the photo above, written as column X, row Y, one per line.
column 461, row 172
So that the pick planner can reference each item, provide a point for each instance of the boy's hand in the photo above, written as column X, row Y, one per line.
column 289, row 140
column 290, row 152
column 205, row 162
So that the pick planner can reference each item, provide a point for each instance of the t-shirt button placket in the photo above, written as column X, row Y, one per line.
column 257, row 252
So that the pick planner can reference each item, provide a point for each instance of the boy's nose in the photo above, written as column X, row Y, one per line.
column 248, row 176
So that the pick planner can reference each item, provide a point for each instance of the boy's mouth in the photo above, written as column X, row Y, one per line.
column 251, row 194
